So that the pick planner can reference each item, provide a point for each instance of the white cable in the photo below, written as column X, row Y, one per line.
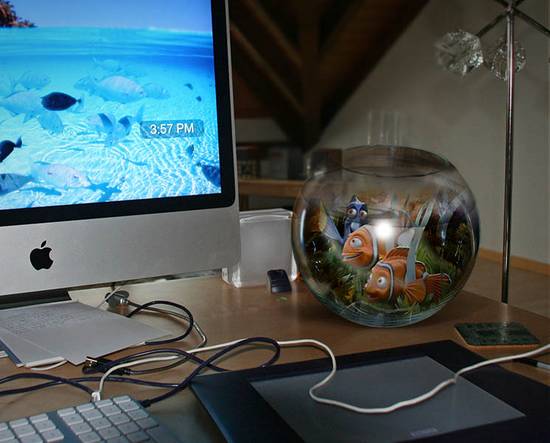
column 415, row 400
column 48, row 368
column 97, row 394
column 382, row 410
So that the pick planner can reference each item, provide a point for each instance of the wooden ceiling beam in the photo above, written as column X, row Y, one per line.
column 336, row 23
column 285, row 107
column 282, row 17
column 304, row 58
column 308, row 37
column 268, row 39
column 315, row 7
column 272, row 30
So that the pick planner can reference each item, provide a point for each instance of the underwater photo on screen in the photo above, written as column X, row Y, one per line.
column 106, row 101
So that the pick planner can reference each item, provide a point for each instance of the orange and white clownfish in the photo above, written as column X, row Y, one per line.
column 363, row 248
column 387, row 280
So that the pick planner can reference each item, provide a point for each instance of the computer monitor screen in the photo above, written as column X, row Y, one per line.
column 114, row 116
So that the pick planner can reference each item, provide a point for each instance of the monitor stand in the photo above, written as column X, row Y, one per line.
column 34, row 298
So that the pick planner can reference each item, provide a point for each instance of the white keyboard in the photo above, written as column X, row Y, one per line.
column 118, row 420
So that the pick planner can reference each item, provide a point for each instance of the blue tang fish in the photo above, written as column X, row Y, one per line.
column 7, row 147
column 356, row 216
column 58, row 101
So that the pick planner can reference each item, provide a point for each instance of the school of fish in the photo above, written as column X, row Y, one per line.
column 25, row 97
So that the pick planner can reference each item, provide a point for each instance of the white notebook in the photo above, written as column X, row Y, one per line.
column 70, row 330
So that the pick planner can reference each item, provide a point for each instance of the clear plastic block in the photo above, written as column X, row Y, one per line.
column 265, row 244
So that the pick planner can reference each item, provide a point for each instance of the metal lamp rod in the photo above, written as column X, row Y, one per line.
column 510, row 86
column 526, row 18
column 496, row 21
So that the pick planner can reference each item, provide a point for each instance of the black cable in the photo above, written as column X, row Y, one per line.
column 134, row 381
column 50, row 378
column 177, row 363
column 175, row 387
column 139, row 308
column 205, row 363
column 72, row 381
column 158, row 369
column 103, row 365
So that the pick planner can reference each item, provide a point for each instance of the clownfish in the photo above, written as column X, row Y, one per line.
column 363, row 247
column 387, row 280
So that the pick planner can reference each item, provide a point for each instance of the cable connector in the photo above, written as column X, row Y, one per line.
column 117, row 298
column 96, row 396
column 101, row 365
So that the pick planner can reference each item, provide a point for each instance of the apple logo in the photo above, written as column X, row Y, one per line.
column 40, row 257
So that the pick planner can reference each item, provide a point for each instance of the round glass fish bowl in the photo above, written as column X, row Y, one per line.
column 389, row 239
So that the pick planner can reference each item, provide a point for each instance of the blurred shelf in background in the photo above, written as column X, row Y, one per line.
column 260, row 187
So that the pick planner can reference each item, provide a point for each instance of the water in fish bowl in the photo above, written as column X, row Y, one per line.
column 99, row 114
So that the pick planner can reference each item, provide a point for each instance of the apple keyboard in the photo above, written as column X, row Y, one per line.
column 117, row 420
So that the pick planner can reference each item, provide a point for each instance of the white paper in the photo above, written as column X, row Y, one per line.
column 74, row 331
column 25, row 353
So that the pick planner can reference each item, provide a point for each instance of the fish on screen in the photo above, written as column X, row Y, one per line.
column 107, row 102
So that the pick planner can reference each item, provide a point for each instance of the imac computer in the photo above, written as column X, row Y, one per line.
column 117, row 158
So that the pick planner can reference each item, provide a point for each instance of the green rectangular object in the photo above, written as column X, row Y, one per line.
column 496, row 334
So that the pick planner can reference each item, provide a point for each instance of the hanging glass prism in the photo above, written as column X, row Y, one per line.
column 459, row 52
column 496, row 58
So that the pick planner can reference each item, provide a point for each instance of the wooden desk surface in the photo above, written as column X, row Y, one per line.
column 226, row 313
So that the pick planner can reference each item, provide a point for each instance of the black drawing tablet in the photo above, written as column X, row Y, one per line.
column 272, row 404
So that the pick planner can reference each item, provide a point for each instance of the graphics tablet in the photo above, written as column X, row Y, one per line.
column 272, row 404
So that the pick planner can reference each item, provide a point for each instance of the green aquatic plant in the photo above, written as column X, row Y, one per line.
column 435, row 263
column 343, row 285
